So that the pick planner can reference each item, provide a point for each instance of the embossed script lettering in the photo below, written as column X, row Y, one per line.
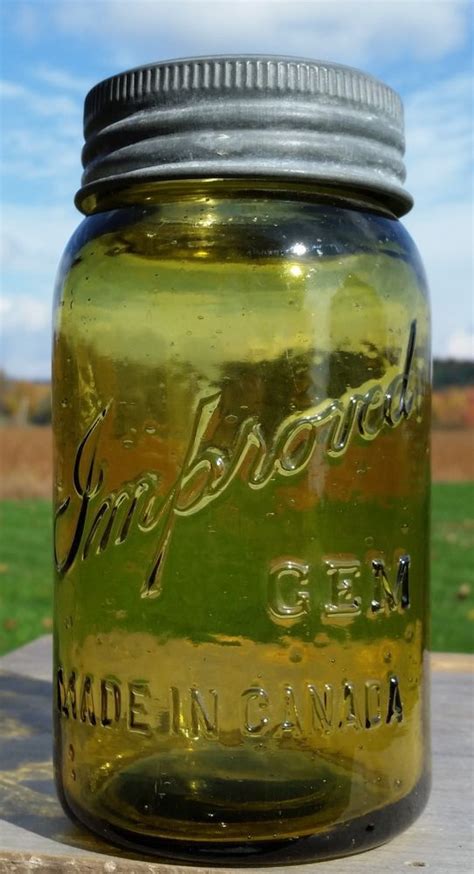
column 98, row 521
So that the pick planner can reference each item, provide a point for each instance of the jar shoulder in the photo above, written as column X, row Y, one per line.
column 302, row 223
column 215, row 231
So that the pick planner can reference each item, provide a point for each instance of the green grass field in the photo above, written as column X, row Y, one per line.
column 25, row 570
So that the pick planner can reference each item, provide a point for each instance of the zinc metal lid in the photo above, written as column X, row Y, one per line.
column 246, row 116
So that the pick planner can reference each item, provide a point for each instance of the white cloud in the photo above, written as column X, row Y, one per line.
column 24, row 313
column 52, row 105
column 350, row 31
column 461, row 346
column 41, row 137
column 11, row 90
column 439, row 161
column 49, row 154
column 439, row 139
column 443, row 234
column 63, row 80
column 26, row 22
column 33, row 238
column 26, row 355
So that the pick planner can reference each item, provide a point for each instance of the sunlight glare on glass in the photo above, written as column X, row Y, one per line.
column 299, row 249
column 295, row 271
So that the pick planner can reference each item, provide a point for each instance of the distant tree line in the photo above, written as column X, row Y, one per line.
column 27, row 402
column 449, row 372
column 24, row 402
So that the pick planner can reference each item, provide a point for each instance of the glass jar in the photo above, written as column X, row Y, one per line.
column 241, row 420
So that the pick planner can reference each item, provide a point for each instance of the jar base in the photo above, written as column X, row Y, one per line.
column 348, row 838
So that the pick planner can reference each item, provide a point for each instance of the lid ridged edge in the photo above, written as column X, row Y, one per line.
column 290, row 76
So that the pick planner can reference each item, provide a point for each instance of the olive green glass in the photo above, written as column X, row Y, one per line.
column 241, row 419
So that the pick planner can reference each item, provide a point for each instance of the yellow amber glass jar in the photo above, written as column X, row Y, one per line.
column 241, row 418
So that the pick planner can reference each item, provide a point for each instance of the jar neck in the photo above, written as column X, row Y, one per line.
column 159, row 192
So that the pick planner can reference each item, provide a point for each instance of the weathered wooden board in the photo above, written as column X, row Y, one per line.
column 35, row 835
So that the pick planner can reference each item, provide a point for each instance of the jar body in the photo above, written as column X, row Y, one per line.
column 241, row 416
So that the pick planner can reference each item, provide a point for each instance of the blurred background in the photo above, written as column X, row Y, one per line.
column 53, row 51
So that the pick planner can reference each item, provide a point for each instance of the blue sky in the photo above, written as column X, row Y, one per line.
column 54, row 50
